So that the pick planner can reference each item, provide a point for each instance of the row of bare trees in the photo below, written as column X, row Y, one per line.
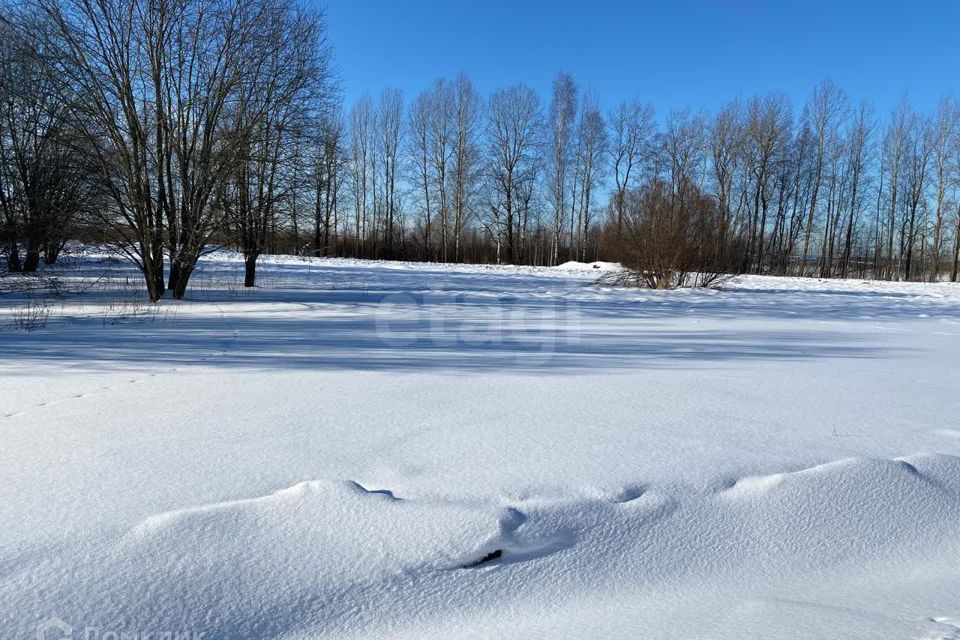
column 457, row 177
column 831, row 189
column 172, row 127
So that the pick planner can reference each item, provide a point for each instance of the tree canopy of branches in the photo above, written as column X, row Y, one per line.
column 184, row 104
column 45, row 177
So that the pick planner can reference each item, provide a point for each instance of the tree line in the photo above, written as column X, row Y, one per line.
column 169, row 128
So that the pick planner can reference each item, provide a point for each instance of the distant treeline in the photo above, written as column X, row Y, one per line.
column 170, row 127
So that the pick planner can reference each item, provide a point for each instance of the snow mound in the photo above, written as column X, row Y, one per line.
column 573, row 265
column 333, row 558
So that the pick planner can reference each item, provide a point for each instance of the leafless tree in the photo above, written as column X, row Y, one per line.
column 767, row 139
column 894, row 151
column 859, row 137
column 727, row 155
column 45, row 174
column 824, row 114
column 591, row 148
column 631, row 127
column 420, row 148
column 160, row 86
column 956, row 205
column 361, row 167
column 513, row 131
column 563, row 112
column 287, row 94
column 388, row 135
column 916, row 182
column 329, row 173
column 944, row 134
column 466, row 154
column 442, row 132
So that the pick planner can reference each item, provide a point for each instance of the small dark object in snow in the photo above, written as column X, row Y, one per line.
column 490, row 557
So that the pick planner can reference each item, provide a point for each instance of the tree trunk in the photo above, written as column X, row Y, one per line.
column 32, row 260
column 956, row 251
column 13, row 259
column 908, row 266
column 249, row 270
column 154, row 279
column 174, row 276
column 178, row 286
column 52, row 252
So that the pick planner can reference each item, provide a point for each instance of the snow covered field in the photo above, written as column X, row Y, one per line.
column 367, row 450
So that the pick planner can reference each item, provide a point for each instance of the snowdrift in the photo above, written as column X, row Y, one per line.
column 333, row 557
column 573, row 265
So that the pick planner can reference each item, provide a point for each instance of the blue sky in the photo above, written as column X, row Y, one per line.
column 673, row 54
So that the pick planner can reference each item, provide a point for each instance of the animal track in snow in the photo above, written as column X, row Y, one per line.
column 511, row 545
column 630, row 493
column 383, row 492
column 752, row 485
column 945, row 628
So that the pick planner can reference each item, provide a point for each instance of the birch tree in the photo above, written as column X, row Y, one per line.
column 824, row 114
column 563, row 111
column 466, row 154
column 943, row 141
column 631, row 128
column 512, row 137
column 592, row 146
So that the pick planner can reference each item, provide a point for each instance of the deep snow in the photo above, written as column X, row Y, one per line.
column 334, row 454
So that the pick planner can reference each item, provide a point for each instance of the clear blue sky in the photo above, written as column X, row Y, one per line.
column 674, row 54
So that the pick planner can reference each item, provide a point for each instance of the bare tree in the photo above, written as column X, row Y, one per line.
column 329, row 169
column 591, row 147
column 388, row 134
column 726, row 155
column 944, row 133
column 859, row 137
column 420, row 123
column 287, row 94
column 45, row 177
column 894, row 151
column 442, row 131
column 824, row 114
column 956, row 204
column 513, row 131
column 768, row 130
column 466, row 154
column 563, row 111
column 631, row 127
column 916, row 178
column 361, row 167
column 682, row 147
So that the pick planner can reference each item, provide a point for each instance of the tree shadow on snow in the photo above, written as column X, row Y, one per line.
column 355, row 338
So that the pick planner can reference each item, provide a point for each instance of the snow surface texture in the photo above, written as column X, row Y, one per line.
column 377, row 450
